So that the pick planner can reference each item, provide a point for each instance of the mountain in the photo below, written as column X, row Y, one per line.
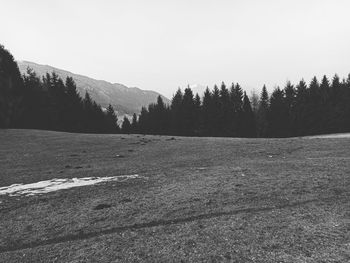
column 124, row 100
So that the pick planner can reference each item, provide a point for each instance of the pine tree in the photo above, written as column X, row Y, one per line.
column 277, row 114
column 35, row 103
column 290, row 96
column 314, row 108
column 236, row 94
column 126, row 126
column 88, row 113
column 143, row 123
column 111, row 120
column 188, row 108
column 73, row 110
column 134, row 124
column 338, row 106
column 261, row 118
column 300, row 110
column 177, row 113
column 248, row 119
column 215, row 112
column 206, row 112
column 198, row 120
column 160, row 117
column 226, row 112
column 324, row 88
column 11, row 90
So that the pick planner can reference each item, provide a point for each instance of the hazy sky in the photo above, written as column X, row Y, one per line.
column 161, row 45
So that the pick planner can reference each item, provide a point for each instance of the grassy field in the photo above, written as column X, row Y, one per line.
column 198, row 199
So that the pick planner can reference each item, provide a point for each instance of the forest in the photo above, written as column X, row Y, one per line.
column 50, row 103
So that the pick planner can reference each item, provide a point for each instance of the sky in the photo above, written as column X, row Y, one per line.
column 162, row 45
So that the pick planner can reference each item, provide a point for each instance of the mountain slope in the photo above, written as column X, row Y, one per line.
column 124, row 100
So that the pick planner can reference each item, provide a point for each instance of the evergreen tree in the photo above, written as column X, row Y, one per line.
column 189, row 116
column 339, row 106
column 290, row 96
column 143, row 124
column 226, row 112
column 206, row 112
column 160, row 117
column 236, row 94
column 126, row 126
column 215, row 112
column 324, row 88
column 134, row 124
column 73, row 110
column 111, row 120
column 277, row 114
column 198, row 119
column 11, row 90
column 314, row 108
column 261, row 118
column 35, row 103
column 300, row 110
column 177, row 113
column 248, row 120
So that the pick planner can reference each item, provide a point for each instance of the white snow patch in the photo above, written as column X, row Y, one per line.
column 52, row 185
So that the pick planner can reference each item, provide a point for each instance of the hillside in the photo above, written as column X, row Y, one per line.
column 174, row 199
column 125, row 100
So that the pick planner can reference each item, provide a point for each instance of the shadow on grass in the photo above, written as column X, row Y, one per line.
column 81, row 235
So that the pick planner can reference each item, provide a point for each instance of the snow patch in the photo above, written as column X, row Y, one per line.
column 52, row 185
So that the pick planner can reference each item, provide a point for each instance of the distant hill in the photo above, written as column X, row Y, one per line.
column 125, row 100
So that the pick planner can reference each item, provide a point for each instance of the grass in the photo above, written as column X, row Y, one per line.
column 204, row 199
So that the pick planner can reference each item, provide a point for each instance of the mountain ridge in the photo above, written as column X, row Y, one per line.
column 125, row 100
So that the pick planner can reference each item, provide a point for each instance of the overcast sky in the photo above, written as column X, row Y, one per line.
column 161, row 45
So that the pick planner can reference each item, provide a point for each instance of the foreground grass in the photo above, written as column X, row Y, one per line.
column 205, row 199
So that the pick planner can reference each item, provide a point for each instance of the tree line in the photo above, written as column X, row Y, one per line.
column 296, row 110
column 50, row 103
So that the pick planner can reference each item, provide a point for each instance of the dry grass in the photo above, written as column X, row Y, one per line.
column 206, row 199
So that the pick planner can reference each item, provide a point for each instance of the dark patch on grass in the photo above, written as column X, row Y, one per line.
column 102, row 206
column 99, row 220
column 81, row 235
column 125, row 200
column 290, row 151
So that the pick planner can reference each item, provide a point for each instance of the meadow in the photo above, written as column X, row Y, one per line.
column 193, row 199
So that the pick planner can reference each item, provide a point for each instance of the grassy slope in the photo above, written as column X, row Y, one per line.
column 206, row 199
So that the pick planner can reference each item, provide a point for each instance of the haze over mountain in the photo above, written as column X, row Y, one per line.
column 125, row 100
